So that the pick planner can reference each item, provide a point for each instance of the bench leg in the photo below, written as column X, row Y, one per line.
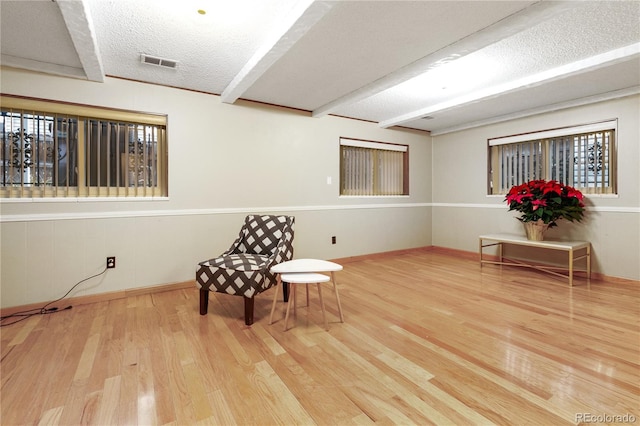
column 570, row 268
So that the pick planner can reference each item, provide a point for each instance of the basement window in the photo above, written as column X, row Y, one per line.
column 580, row 156
column 370, row 168
column 60, row 150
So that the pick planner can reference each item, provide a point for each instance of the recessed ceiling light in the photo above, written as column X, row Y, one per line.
column 202, row 11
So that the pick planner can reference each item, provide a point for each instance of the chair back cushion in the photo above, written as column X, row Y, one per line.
column 263, row 234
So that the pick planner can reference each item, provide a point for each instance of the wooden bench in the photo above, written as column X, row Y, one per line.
column 581, row 248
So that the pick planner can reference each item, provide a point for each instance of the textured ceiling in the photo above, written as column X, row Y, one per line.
column 462, row 63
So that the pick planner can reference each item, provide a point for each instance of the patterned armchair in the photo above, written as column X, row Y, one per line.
column 244, row 269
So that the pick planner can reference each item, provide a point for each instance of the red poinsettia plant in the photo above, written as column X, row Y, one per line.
column 548, row 201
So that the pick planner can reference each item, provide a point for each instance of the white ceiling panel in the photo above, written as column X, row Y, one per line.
column 44, row 44
column 210, row 49
column 360, row 42
column 527, row 53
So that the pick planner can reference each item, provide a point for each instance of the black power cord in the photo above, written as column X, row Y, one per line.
column 23, row 315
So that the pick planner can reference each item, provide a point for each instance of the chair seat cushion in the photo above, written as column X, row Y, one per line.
column 239, row 262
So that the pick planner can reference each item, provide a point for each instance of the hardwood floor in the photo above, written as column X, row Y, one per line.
column 429, row 338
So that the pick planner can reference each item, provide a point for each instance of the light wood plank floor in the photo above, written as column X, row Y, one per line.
column 429, row 338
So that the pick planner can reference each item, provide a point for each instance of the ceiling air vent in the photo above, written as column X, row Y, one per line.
column 161, row 62
column 426, row 117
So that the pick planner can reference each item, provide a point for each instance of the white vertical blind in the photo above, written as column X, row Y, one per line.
column 50, row 155
column 585, row 161
column 372, row 168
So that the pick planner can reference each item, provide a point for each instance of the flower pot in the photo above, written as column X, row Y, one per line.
column 535, row 230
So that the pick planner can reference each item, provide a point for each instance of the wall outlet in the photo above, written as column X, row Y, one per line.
column 333, row 240
column 111, row 262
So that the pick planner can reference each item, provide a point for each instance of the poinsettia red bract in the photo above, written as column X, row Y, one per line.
column 548, row 201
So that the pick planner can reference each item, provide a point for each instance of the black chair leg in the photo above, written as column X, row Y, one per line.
column 248, row 310
column 204, row 301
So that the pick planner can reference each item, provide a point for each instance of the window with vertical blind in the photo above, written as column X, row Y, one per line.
column 53, row 149
column 580, row 156
column 370, row 168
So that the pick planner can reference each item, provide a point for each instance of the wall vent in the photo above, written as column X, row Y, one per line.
column 161, row 62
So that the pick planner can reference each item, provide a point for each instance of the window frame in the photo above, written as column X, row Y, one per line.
column 376, row 149
column 85, row 114
column 544, row 140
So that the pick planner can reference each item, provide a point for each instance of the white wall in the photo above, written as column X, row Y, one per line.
column 462, row 210
column 224, row 161
column 230, row 160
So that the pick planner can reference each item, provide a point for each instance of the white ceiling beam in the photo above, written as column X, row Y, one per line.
column 302, row 18
column 534, row 14
column 45, row 67
column 76, row 17
column 589, row 64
